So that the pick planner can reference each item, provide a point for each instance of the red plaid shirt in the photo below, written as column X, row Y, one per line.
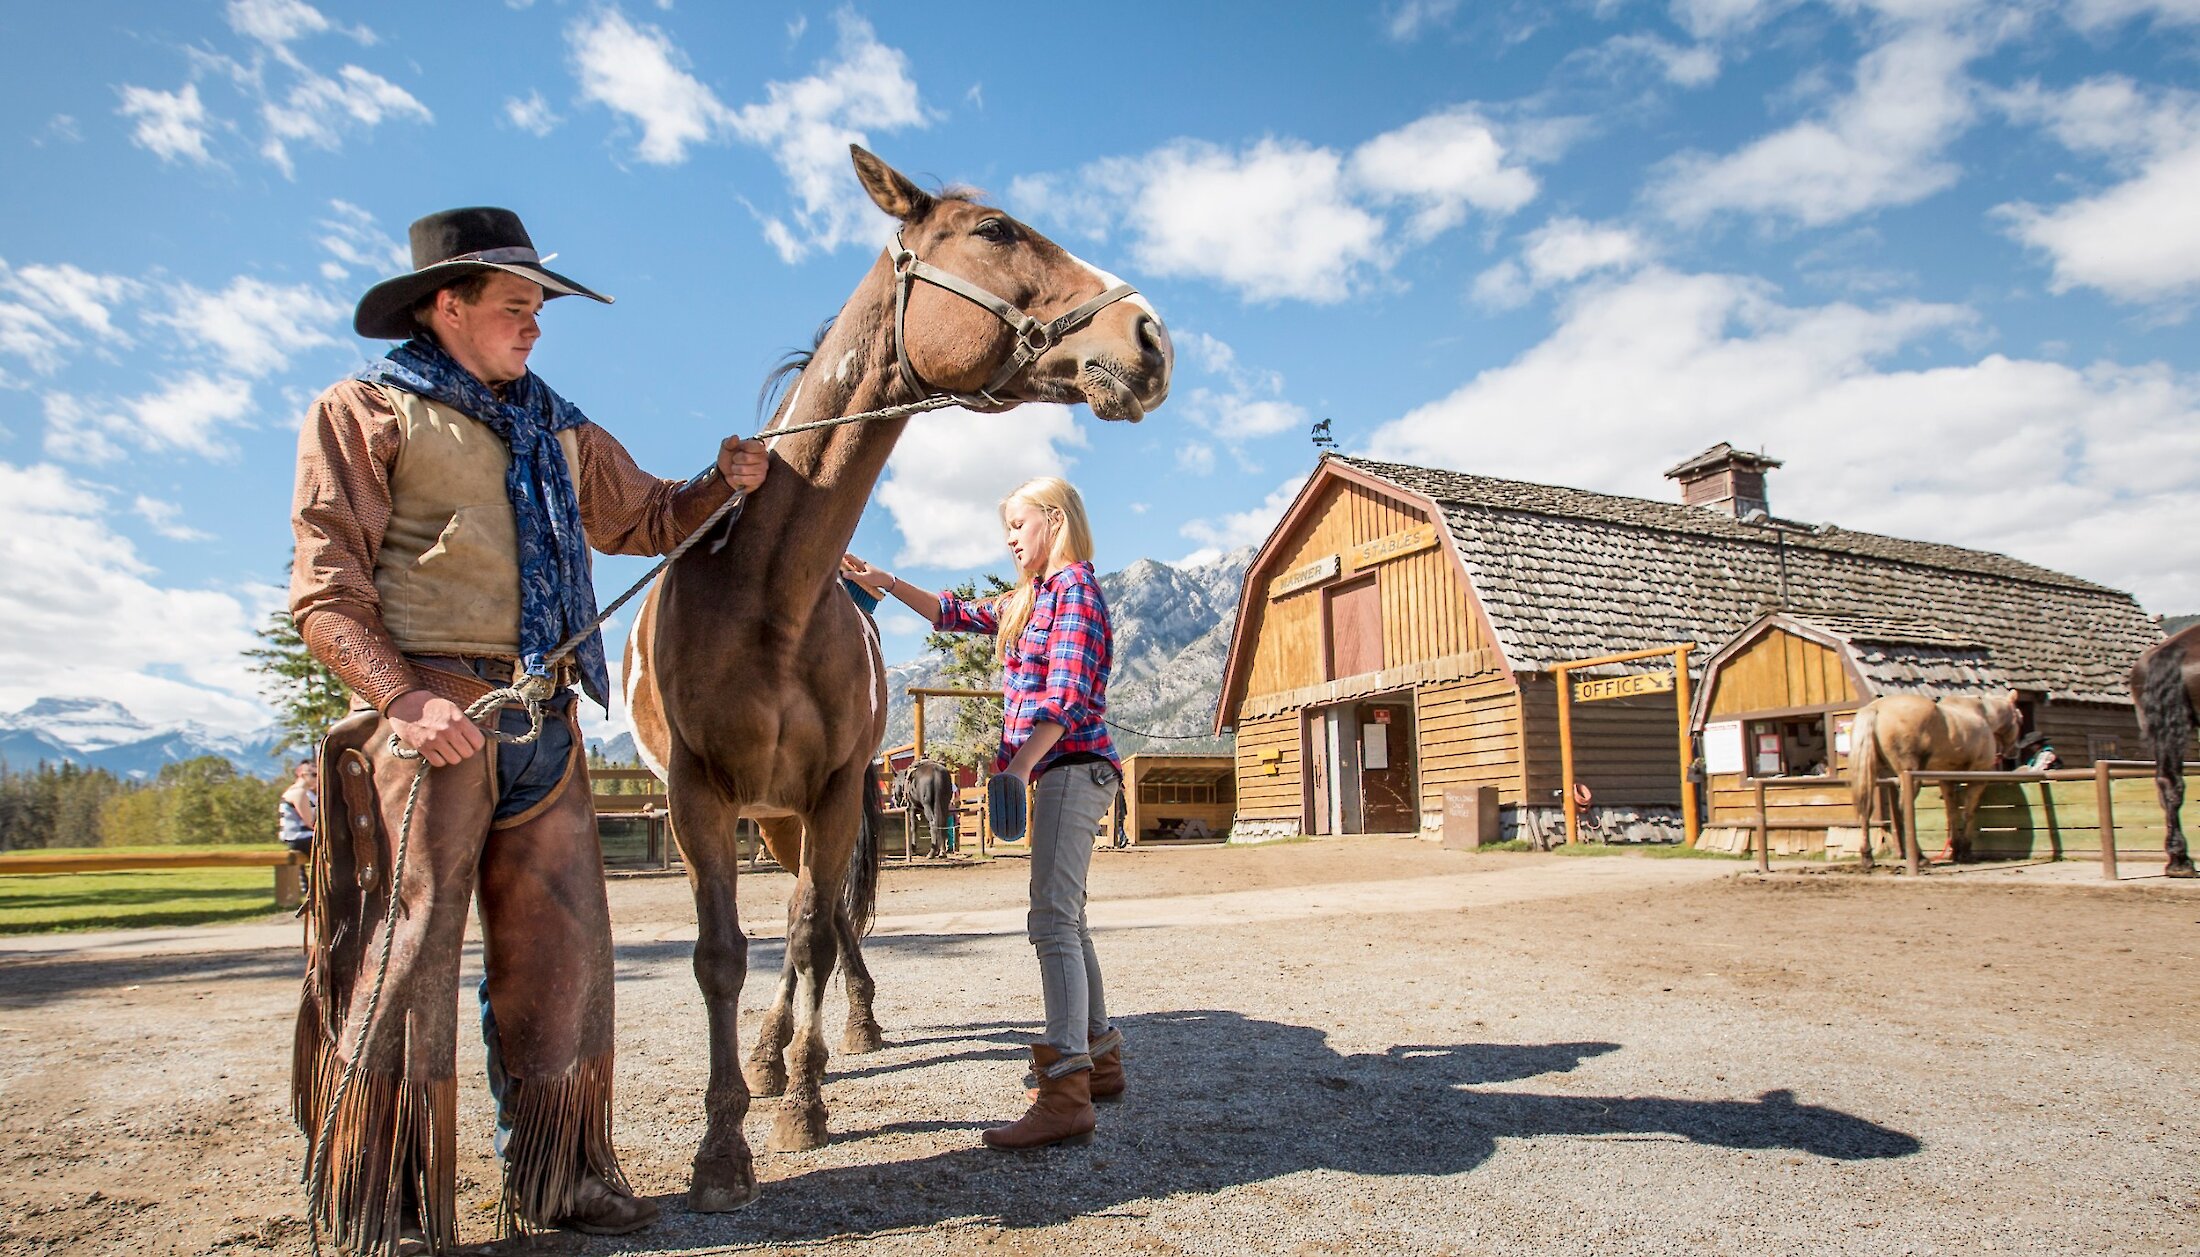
column 1058, row 670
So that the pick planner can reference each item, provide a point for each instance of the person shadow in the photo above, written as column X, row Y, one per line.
column 1217, row 1100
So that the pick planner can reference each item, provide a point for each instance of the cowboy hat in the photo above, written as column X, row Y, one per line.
column 446, row 248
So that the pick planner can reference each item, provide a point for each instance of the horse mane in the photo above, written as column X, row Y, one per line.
column 791, row 364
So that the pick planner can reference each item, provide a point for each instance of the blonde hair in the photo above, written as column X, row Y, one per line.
column 1072, row 543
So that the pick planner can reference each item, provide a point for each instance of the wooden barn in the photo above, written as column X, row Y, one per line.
column 1401, row 631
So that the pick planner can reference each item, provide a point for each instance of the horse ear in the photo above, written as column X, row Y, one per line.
column 889, row 189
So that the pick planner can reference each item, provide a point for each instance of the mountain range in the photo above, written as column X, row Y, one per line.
column 102, row 733
column 1172, row 635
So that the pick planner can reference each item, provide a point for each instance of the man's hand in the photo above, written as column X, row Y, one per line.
column 436, row 727
column 743, row 463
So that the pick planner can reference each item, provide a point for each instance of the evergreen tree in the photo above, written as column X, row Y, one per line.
column 972, row 731
column 307, row 696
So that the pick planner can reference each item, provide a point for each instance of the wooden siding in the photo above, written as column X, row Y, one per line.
column 1425, row 612
column 1778, row 672
column 2072, row 728
column 1469, row 736
column 1259, row 795
column 1626, row 749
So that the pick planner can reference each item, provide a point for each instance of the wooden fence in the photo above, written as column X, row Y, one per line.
column 2102, row 812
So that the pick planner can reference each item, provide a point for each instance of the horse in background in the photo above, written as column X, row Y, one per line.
column 1918, row 733
column 928, row 786
column 2165, row 685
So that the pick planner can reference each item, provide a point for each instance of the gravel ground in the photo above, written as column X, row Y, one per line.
column 1367, row 1045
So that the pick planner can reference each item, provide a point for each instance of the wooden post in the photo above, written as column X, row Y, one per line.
column 1566, row 757
column 2104, row 798
column 919, row 753
column 1691, row 824
column 1908, row 804
column 1764, row 829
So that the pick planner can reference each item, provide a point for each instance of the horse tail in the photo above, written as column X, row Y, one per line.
column 1864, row 767
column 859, row 892
column 2165, row 709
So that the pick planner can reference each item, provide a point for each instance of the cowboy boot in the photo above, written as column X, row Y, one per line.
column 1107, row 1071
column 599, row 1208
column 1063, row 1113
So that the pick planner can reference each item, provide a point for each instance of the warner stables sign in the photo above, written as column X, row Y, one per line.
column 1360, row 557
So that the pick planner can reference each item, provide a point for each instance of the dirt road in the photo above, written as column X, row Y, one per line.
column 1366, row 1045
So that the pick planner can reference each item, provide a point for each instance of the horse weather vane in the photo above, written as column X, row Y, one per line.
column 1321, row 438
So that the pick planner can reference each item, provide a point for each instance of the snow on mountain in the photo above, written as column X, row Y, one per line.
column 102, row 733
column 1172, row 634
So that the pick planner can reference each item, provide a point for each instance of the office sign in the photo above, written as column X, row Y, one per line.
column 1623, row 687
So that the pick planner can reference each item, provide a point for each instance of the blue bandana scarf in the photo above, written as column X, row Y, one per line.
column 556, row 594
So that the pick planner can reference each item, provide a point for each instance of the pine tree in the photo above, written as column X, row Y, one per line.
column 973, row 732
column 307, row 696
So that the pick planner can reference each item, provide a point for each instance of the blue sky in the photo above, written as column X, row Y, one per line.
column 1938, row 255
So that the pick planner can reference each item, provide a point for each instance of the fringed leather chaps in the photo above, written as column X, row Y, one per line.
column 391, row 1158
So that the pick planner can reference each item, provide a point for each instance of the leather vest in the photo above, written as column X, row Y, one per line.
column 448, row 571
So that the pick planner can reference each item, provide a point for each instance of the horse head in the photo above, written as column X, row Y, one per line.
column 1117, row 360
column 2007, row 720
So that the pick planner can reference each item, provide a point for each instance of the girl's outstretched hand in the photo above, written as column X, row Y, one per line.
column 874, row 581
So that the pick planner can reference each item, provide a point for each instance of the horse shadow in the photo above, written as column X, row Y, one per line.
column 1220, row 1100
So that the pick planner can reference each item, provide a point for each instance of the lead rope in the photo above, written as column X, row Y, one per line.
column 531, row 692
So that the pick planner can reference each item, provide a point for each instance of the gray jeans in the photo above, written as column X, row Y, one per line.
column 1071, row 800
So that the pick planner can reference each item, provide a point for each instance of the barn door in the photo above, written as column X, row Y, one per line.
column 1388, row 801
column 1317, row 774
column 1355, row 611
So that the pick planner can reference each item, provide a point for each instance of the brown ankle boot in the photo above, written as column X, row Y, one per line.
column 1107, row 1067
column 1061, row 1115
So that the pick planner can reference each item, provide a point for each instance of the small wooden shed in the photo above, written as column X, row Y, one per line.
column 1178, row 798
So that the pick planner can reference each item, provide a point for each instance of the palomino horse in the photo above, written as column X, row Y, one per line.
column 2165, row 684
column 754, row 683
column 1921, row 734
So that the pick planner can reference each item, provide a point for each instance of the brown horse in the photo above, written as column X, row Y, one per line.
column 755, row 685
column 2165, row 684
column 1923, row 734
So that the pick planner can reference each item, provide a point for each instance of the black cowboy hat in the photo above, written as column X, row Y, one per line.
column 446, row 248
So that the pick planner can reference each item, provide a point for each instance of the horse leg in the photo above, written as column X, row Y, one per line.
column 2170, row 785
column 830, row 836
column 724, row 1175
column 863, row 1034
column 767, row 1069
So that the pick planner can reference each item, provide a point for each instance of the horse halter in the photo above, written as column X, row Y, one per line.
column 1033, row 338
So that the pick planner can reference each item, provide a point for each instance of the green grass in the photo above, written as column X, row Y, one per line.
column 170, row 848
column 43, row 903
column 1648, row 851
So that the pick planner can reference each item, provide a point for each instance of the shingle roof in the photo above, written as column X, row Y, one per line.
column 1566, row 574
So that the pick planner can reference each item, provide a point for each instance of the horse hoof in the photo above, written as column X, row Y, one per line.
column 721, row 1187
column 798, row 1130
column 766, row 1080
column 863, row 1039
column 2180, row 868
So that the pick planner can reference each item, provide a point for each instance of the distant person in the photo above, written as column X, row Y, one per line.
column 1055, row 646
column 2035, row 754
column 300, row 805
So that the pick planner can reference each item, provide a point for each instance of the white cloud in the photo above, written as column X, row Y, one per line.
column 1559, row 252
column 275, row 22
column 1706, row 19
column 1442, row 164
column 2094, row 16
column 2139, row 240
column 255, row 327
column 1884, row 144
column 355, row 241
column 807, row 126
column 1249, row 405
column 186, row 413
column 1219, row 536
column 2080, row 469
column 637, row 72
column 532, row 115
column 1408, row 18
column 318, row 110
column 35, row 325
column 166, row 519
column 1282, row 218
column 170, row 125
column 1693, row 65
column 86, row 615
column 1196, row 457
column 952, row 467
